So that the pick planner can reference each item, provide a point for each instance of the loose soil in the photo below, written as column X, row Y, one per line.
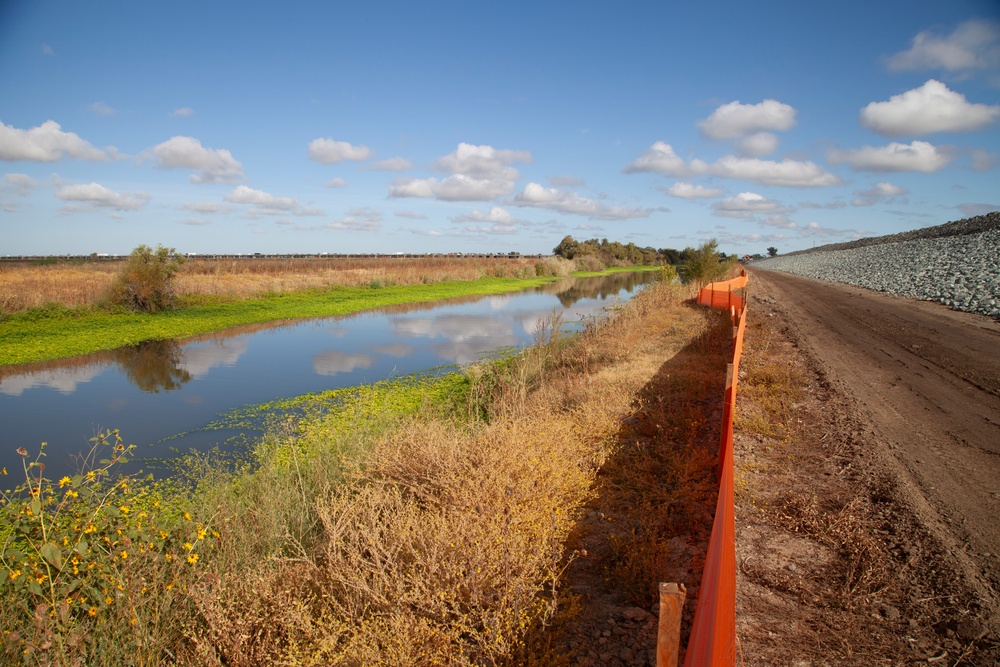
column 867, row 533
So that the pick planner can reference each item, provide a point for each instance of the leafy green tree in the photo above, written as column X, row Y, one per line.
column 703, row 265
column 566, row 248
column 145, row 283
column 772, row 251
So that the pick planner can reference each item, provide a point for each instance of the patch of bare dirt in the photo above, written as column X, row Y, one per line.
column 866, row 520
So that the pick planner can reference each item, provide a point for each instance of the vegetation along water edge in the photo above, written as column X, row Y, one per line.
column 50, row 333
column 342, row 536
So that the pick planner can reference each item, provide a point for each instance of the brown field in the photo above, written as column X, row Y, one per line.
column 25, row 285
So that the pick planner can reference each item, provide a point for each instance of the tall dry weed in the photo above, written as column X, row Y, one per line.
column 76, row 284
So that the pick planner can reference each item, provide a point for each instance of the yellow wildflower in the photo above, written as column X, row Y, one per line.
column 192, row 558
column 65, row 481
column 187, row 516
column 202, row 533
column 92, row 611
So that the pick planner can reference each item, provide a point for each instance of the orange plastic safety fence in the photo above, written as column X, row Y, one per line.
column 713, row 634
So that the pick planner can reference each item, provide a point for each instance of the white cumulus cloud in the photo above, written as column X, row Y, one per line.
column 790, row 173
column 328, row 151
column 570, row 202
column 457, row 187
column 877, row 192
column 210, row 165
column 915, row 156
column 972, row 45
column 482, row 162
column 691, row 191
column 757, row 144
column 22, row 183
column 477, row 173
column 660, row 158
column 747, row 205
column 410, row 215
column 496, row 214
column 209, row 208
column 88, row 196
column 393, row 164
column 182, row 112
column 267, row 204
column 930, row 108
column 734, row 120
column 358, row 220
column 48, row 143
column 497, row 220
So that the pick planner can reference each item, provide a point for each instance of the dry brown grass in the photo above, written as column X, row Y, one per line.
column 74, row 284
column 447, row 543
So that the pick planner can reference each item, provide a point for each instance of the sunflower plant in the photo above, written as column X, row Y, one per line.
column 91, row 558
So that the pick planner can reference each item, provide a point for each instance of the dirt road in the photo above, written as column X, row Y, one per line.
column 906, row 395
column 928, row 380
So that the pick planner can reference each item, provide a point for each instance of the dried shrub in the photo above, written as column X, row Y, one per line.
column 145, row 283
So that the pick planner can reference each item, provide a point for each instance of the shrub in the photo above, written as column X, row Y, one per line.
column 703, row 264
column 588, row 263
column 667, row 274
column 553, row 266
column 145, row 283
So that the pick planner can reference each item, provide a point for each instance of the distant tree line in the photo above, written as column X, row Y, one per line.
column 608, row 253
column 612, row 253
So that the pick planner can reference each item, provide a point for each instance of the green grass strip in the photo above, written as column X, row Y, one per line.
column 54, row 333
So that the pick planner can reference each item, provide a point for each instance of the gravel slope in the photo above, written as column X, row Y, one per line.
column 957, row 264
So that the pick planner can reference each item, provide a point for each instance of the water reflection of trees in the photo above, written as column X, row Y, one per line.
column 153, row 366
column 570, row 291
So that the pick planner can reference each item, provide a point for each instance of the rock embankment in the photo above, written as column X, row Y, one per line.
column 957, row 264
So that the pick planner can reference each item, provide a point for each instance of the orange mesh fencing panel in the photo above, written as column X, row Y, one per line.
column 713, row 634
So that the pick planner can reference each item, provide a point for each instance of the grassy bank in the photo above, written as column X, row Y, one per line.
column 420, row 522
column 55, row 332
column 42, row 334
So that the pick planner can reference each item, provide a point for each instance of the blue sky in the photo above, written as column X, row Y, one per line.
column 491, row 127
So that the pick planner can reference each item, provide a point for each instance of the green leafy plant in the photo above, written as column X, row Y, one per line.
column 703, row 264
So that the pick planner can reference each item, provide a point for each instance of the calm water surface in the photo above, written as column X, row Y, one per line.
column 156, row 391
